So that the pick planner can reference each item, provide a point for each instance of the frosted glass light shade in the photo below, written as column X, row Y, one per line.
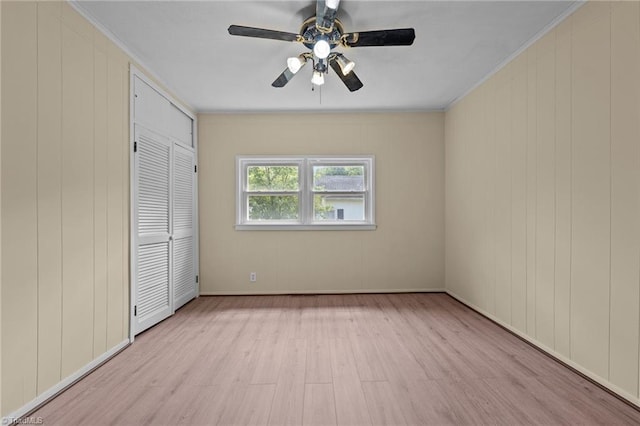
column 332, row 4
column 295, row 63
column 321, row 49
column 317, row 78
column 346, row 65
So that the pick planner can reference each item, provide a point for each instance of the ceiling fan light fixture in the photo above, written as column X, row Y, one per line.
column 332, row 4
column 321, row 34
column 346, row 65
column 317, row 78
column 322, row 48
column 295, row 63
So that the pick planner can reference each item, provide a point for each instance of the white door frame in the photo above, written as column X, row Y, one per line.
column 133, row 235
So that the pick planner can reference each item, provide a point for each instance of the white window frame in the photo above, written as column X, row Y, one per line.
column 305, row 192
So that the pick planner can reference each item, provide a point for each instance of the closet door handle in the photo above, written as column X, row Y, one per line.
column 170, row 237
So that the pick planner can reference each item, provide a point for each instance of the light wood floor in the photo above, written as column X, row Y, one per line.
column 322, row 360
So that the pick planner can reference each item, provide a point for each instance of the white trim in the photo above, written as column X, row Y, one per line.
column 551, row 25
column 633, row 399
column 77, row 6
column 336, row 291
column 61, row 386
column 337, row 111
column 133, row 239
column 296, row 227
column 196, row 217
column 137, row 72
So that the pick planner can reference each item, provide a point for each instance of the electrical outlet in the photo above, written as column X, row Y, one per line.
column 253, row 277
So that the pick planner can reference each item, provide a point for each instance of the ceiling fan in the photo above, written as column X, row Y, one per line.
column 322, row 34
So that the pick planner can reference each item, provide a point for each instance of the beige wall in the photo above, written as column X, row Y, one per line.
column 404, row 253
column 65, row 203
column 543, row 193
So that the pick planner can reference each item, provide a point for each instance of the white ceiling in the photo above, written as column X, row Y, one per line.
column 186, row 45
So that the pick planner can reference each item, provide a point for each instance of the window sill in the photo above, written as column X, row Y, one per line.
column 327, row 227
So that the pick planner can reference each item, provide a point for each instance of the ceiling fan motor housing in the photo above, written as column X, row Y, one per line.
column 311, row 33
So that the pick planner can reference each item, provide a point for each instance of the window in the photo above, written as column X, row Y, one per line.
column 305, row 192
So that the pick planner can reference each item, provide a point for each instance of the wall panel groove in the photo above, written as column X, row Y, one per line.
column 49, row 195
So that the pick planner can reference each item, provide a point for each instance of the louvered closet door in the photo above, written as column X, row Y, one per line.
column 153, row 221
column 184, row 273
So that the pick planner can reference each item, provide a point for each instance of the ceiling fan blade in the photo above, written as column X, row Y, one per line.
column 350, row 80
column 283, row 78
column 326, row 11
column 239, row 30
column 398, row 37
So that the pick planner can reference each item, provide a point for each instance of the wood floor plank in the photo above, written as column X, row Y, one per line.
column 319, row 405
column 351, row 405
column 324, row 317
column 288, row 401
column 529, row 392
column 413, row 359
column 424, row 403
column 339, row 321
column 235, row 362
column 175, row 406
column 253, row 408
column 308, row 328
column 596, row 405
column 368, row 361
column 318, row 362
column 393, row 348
column 270, row 357
column 363, row 334
column 210, row 404
column 382, row 403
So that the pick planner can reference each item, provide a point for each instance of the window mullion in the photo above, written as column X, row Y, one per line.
column 272, row 192
column 302, row 191
column 307, row 206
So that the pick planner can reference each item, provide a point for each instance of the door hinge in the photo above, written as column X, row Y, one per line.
column 197, row 279
column 195, row 169
column 135, row 310
column 135, row 146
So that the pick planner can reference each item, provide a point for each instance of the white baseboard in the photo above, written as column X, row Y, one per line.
column 45, row 396
column 310, row 292
column 633, row 399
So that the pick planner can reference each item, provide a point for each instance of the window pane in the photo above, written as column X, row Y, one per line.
column 338, row 207
column 273, row 207
column 272, row 178
column 338, row 178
